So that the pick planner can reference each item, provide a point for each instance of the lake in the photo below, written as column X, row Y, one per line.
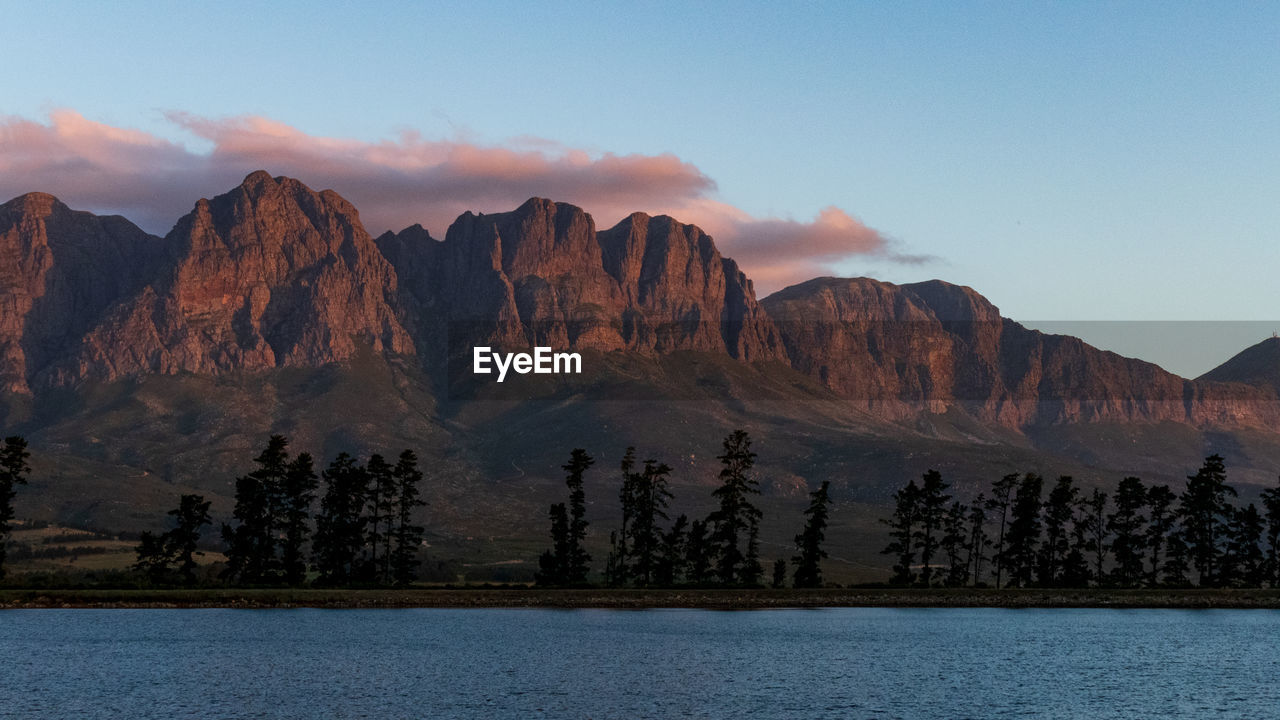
column 836, row 663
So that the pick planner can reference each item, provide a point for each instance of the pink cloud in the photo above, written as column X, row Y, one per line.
column 406, row 180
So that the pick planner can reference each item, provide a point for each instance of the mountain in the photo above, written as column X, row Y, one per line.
column 1257, row 365
column 142, row 367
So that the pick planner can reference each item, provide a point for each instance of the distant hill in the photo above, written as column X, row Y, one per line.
column 142, row 367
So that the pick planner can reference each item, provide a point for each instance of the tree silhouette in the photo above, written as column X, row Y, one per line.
column 379, row 514
column 159, row 556
column 1095, row 523
column 650, row 498
column 979, row 541
column 13, row 472
column 779, row 574
column 697, row 553
column 339, row 538
column 1128, row 526
column 553, row 564
column 1244, row 564
column 1160, row 525
column 577, row 561
column 933, row 508
column 297, row 494
column 955, row 545
column 407, row 535
column 1059, row 509
column 618, row 566
column 251, row 544
column 736, row 514
column 1271, row 511
column 671, row 566
column 906, row 514
column 808, row 560
column 1023, row 534
column 1203, row 510
column 1001, row 499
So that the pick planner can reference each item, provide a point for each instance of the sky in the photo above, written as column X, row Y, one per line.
column 1073, row 162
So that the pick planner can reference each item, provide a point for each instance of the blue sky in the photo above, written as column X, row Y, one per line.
column 1071, row 161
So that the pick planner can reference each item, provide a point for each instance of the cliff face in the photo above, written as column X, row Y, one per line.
column 60, row 271
column 271, row 274
column 894, row 348
column 542, row 275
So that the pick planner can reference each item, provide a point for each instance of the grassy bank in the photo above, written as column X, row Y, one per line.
column 635, row 599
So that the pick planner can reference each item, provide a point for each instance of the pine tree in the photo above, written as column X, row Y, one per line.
column 297, row 495
column 1203, row 511
column 955, row 545
column 191, row 514
column 906, row 514
column 1023, row 536
column 159, row 556
column 1159, row 526
column 1176, row 569
column 379, row 515
column 618, row 566
column 1095, row 523
column 736, row 514
column 1059, row 509
column 752, row 570
column 251, row 544
column 779, row 574
column 1271, row 511
column 1001, row 499
column 697, row 552
column 933, row 509
column 553, row 565
column 809, row 557
column 650, row 499
column 339, row 538
column 407, row 535
column 979, row 542
column 1243, row 563
column 1075, row 568
column 577, row 561
column 1127, row 526
column 13, row 472
column 671, row 561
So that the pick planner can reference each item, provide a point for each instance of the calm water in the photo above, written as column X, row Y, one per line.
column 841, row 663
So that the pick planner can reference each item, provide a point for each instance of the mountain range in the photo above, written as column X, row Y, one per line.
column 141, row 367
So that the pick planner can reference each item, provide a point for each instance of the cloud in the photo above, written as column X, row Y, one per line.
column 406, row 180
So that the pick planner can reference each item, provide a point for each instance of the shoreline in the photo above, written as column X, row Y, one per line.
column 635, row 599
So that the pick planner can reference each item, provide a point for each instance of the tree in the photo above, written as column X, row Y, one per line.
column 955, row 539
column 379, row 516
column 1160, row 525
column 736, row 514
column 618, row 568
column 577, row 561
column 1058, row 512
column 251, row 544
column 191, row 514
column 1243, row 564
column 979, row 541
column 906, row 513
column 1128, row 526
column 752, row 570
column 553, row 564
column 13, row 472
column 933, row 508
column 1023, row 534
column 296, row 496
column 1095, row 524
column 1203, row 511
column 1001, row 498
column 339, row 538
column 671, row 561
column 808, row 560
column 1271, row 511
column 159, row 556
column 697, row 553
column 649, row 506
column 1075, row 568
column 1176, row 569
column 779, row 574
column 407, row 534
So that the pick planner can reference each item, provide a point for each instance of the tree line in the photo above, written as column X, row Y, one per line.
column 1139, row 536
column 362, row 534
column 649, row 549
